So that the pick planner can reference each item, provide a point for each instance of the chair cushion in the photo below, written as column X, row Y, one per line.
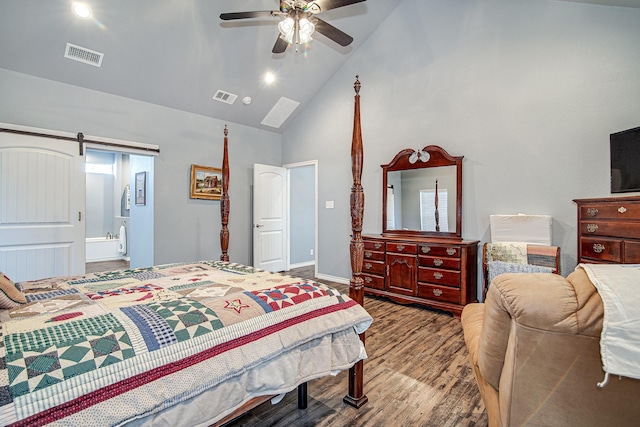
column 499, row 267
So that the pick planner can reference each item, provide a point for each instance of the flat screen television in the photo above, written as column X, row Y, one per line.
column 625, row 160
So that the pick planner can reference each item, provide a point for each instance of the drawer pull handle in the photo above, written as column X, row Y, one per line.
column 592, row 212
column 368, row 266
column 451, row 251
column 437, row 275
column 437, row 292
column 425, row 249
column 592, row 228
column 368, row 279
column 378, row 245
column 622, row 209
column 367, row 254
column 598, row 248
column 400, row 248
column 437, row 262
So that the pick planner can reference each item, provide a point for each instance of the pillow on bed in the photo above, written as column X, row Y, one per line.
column 10, row 296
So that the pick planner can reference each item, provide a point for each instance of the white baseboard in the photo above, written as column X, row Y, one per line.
column 333, row 278
column 301, row 264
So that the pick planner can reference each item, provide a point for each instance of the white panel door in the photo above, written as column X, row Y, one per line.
column 42, row 203
column 269, row 217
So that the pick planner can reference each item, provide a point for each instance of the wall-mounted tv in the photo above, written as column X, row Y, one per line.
column 625, row 160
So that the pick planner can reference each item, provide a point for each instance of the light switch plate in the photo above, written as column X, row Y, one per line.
column 328, row 204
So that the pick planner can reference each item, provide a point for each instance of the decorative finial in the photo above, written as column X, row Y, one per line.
column 356, row 85
column 226, row 131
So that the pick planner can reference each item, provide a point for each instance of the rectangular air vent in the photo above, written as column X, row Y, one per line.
column 280, row 112
column 225, row 97
column 84, row 55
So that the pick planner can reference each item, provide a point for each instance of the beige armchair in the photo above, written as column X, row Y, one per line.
column 535, row 351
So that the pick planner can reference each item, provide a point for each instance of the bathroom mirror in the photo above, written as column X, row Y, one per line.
column 422, row 194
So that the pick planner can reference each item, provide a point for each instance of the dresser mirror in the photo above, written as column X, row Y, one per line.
column 422, row 194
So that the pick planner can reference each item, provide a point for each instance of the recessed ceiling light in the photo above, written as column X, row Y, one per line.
column 269, row 77
column 82, row 10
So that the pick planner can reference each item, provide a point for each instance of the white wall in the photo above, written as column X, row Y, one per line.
column 185, row 229
column 528, row 91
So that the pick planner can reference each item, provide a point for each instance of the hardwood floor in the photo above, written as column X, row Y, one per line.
column 417, row 374
column 94, row 267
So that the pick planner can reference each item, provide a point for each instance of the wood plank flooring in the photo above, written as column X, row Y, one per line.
column 417, row 374
column 95, row 267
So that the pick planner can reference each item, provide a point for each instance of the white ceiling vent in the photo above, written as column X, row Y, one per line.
column 280, row 112
column 226, row 97
column 84, row 55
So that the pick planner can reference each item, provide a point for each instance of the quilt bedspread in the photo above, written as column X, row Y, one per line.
column 153, row 338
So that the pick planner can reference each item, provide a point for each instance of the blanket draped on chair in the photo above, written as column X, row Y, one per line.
column 617, row 285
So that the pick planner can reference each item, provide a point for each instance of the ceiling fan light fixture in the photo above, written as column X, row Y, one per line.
column 286, row 28
column 303, row 27
column 306, row 28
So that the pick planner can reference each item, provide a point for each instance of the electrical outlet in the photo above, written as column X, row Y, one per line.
column 310, row 251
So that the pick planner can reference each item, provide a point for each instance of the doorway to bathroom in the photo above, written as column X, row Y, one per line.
column 119, row 210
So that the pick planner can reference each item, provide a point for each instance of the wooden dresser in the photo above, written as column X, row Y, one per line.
column 438, row 273
column 609, row 230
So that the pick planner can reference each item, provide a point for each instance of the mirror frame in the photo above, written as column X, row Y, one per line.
column 438, row 157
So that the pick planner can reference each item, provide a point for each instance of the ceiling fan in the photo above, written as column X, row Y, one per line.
column 299, row 21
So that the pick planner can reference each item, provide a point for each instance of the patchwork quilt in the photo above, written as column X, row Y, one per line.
column 119, row 346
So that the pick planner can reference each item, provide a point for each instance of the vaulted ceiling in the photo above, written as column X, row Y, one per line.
column 179, row 53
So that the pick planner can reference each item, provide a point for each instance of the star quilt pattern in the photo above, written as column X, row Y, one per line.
column 81, row 342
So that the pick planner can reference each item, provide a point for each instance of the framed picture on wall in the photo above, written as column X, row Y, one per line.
column 206, row 182
column 141, row 188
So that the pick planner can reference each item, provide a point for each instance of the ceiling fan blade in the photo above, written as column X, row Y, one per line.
column 280, row 46
column 328, row 30
column 332, row 4
column 246, row 15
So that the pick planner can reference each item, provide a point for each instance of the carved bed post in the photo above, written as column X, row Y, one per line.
column 356, row 396
column 224, row 200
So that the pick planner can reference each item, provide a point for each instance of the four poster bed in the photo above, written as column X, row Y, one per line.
column 178, row 344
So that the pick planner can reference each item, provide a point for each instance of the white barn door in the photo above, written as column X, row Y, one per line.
column 269, row 217
column 42, row 204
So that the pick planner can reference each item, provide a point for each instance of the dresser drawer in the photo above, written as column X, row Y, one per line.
column 439, row 250
column 375, row 282
column 401, row 248
column 440, row 262
column 373, row 255
column 439, row 293
column 601, row 249
column 438, row 276
column 619, row 210
column 628, row 229
column 373, row 245
column 631, row 253
column 373, row 267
